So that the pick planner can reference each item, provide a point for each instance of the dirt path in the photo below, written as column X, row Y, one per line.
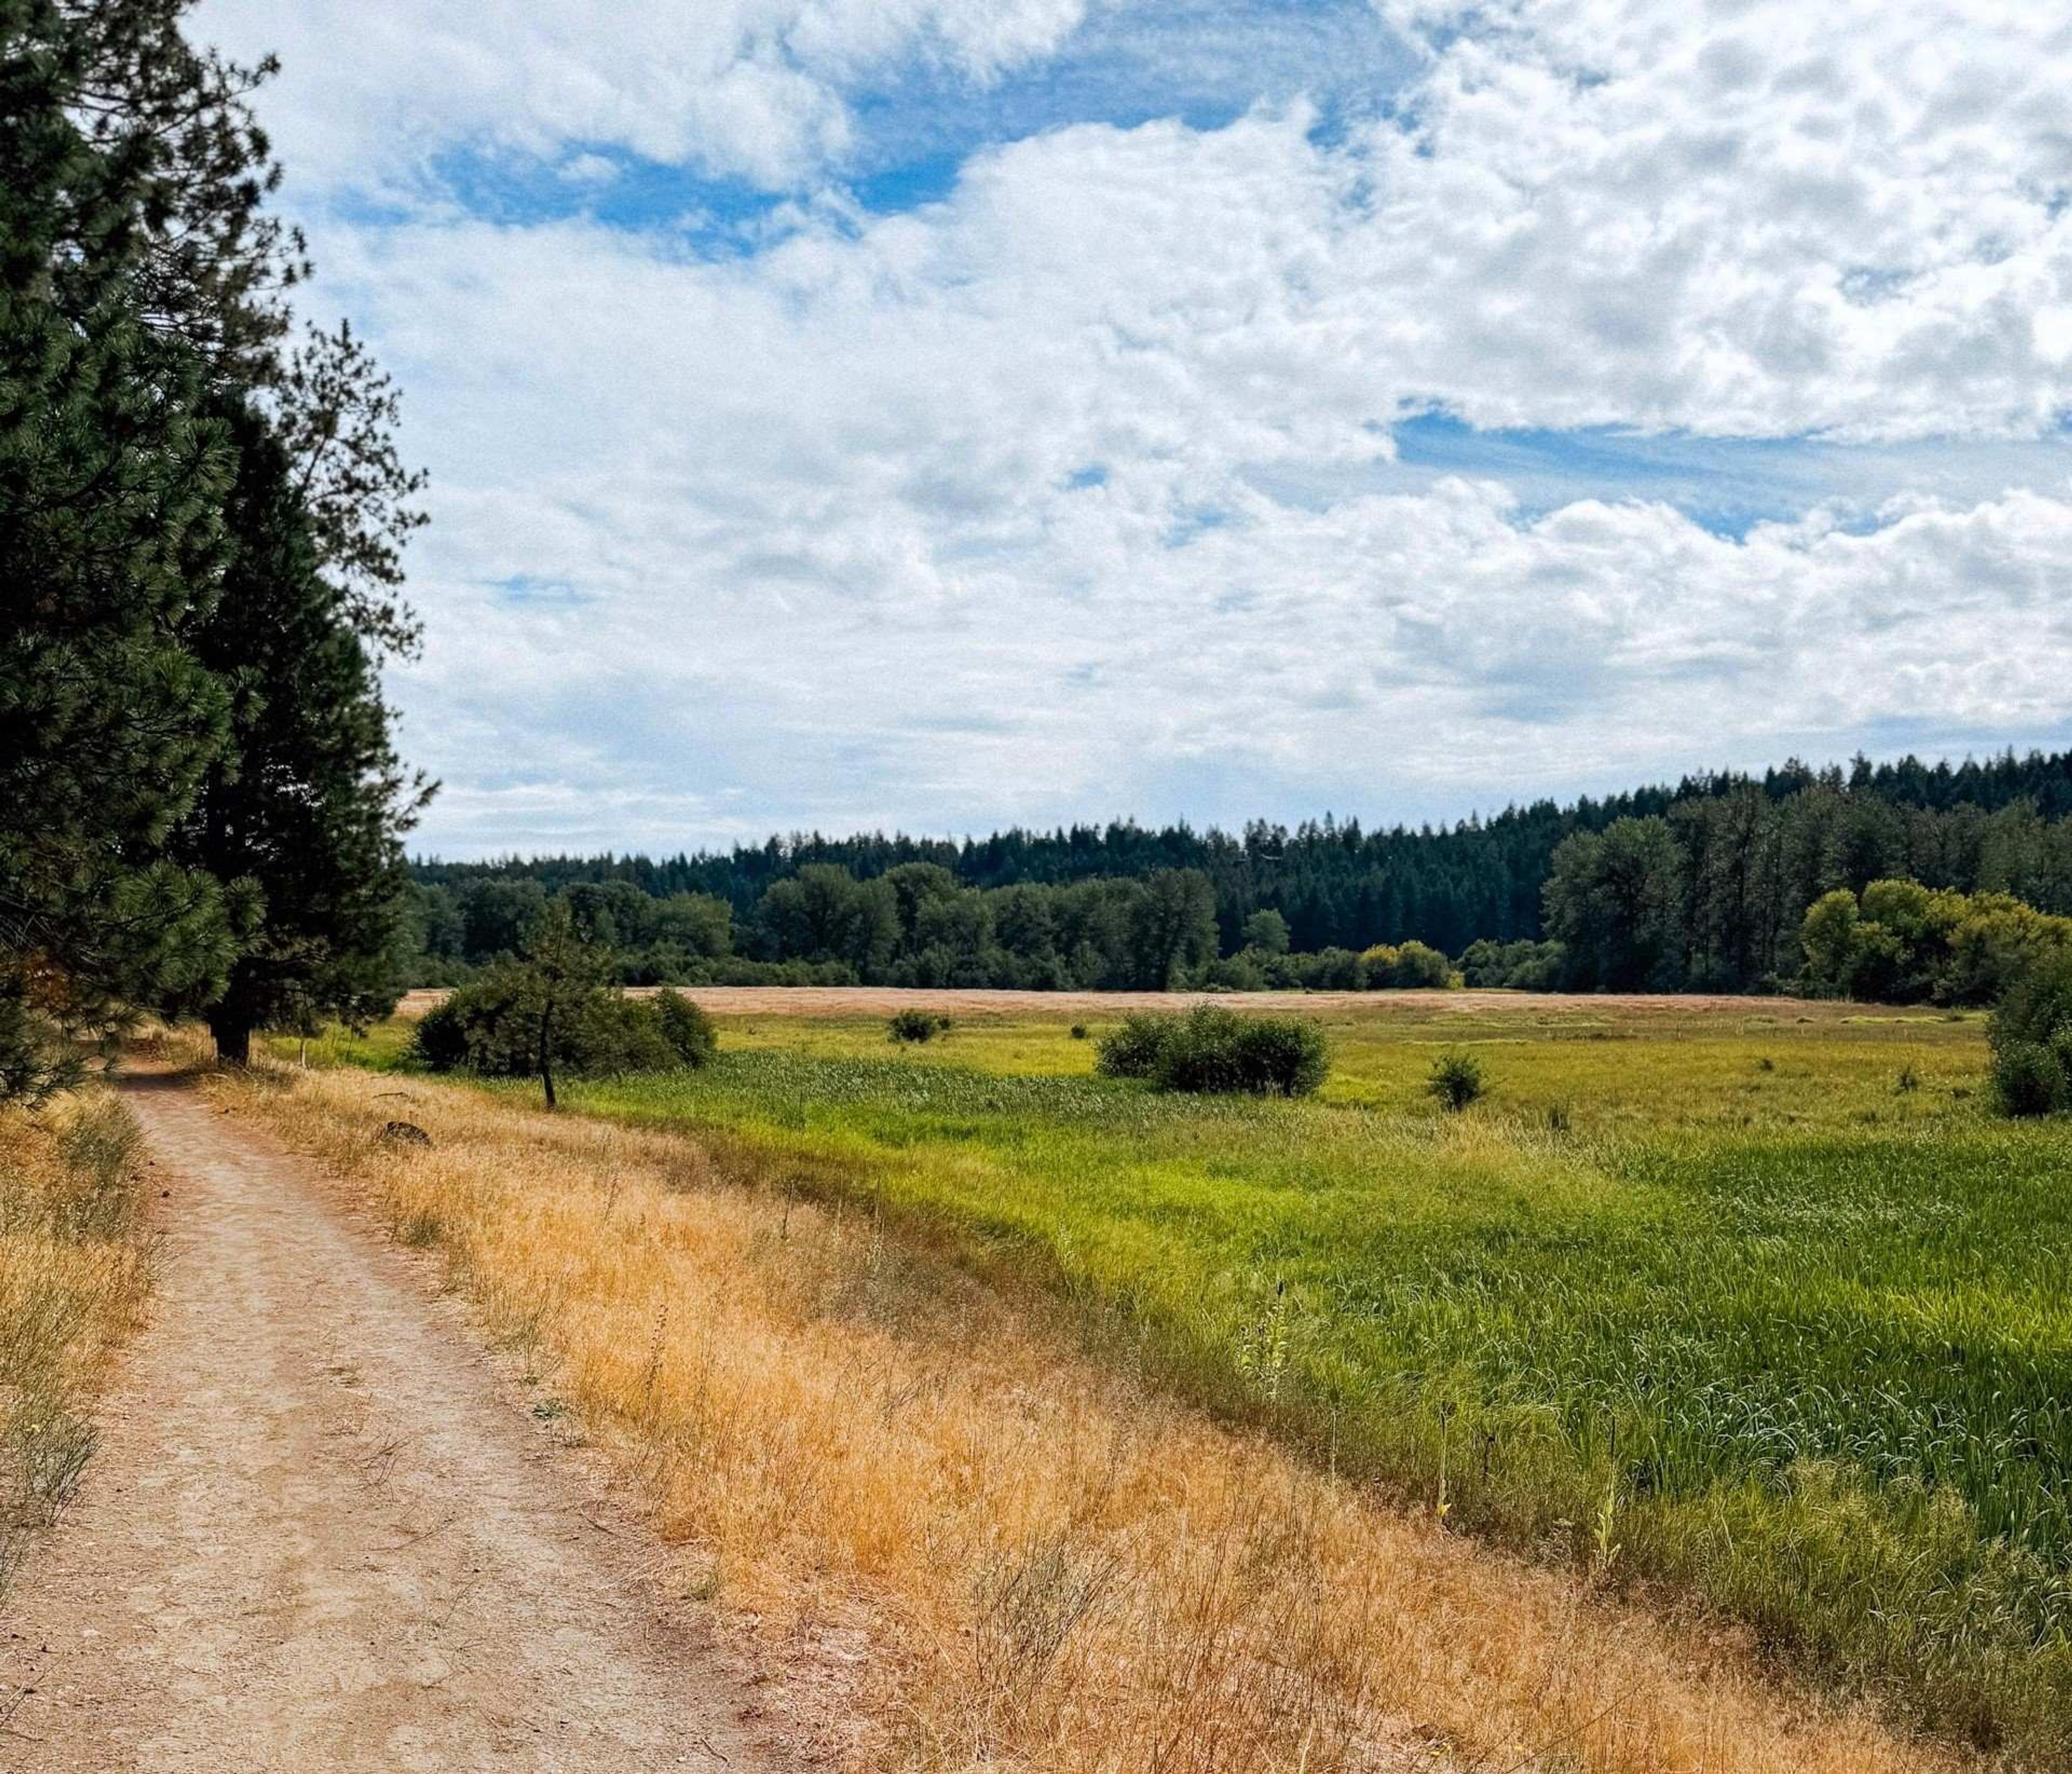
column 321, row 1532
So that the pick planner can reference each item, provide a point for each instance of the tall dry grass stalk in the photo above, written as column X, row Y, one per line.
column 72, row 1273
column 1022, row 1557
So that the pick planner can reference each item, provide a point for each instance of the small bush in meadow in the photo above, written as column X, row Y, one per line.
column 916, row 1025
column 2031, row 1037
column 1456, row 1081
column 1213, row 1051
column 686, row 1028
column 1132, row 1047
column 1079, row 1031
column 492, row 1027
column 2027, row 1079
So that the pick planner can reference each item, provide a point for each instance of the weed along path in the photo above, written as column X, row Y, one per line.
column 319, row 1535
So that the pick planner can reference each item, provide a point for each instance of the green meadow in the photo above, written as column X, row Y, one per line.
column 1758, row 1305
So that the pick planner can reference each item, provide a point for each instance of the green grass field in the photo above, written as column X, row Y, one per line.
column 1760, row 1302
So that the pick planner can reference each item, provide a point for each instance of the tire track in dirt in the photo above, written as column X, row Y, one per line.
column 320, row 1533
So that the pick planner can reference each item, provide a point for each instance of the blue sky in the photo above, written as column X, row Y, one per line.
column 944, row 413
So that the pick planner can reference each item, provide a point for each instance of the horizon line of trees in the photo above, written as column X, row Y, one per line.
column 1706, row 891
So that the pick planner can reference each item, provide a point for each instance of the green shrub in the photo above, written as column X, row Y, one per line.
column 1456, row 1081
column 480, row 1028
column 1523, row 966
column 440, row 1044
column 1079, row 1031
column 1419, row 966
column 1131, row 1049
column 615, row 1034
column 916, row 1025
column 1244, row 972
column 686, row 1028
column 1216, row 1051
column 491, row 1028
column 2031, row 1037
column 2027, row 1079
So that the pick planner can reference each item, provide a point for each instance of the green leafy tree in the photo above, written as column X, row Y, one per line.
column 1611, row 903
column 917, row 887
column 699, row 925
column 560, row 981
column 1172, row 927
column 954, row 942
column 1416, row 966
column 1266, row 931
column 824, row 913
column 495, row 915
column 1829, row 935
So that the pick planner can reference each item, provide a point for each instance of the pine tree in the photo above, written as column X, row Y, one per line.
column 309, row 802
column 186, row 510
column 110, row 545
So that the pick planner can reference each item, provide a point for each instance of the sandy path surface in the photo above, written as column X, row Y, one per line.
column 322, row 1534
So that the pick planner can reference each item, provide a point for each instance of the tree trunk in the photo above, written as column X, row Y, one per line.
column 546, row 1069
column 233, row 1039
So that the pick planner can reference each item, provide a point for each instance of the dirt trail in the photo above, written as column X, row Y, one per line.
column 321, row 1532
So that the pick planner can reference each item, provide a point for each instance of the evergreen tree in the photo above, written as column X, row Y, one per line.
column 113, row 146
column 309, row 802
column 143, row 388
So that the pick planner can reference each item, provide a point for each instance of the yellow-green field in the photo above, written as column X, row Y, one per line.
column 1754, row 1297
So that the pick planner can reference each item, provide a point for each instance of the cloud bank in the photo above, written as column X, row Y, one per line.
column 1073, row 486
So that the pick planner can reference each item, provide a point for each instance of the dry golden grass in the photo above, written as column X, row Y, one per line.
column 818, row 1002
column 1027, row 1559
column 72, row 1274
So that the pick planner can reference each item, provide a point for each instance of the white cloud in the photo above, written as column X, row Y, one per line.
column 799, row 543
column 1758, row 219
column 757, row 88
column 1427, row 647
column 812, row 535
column 1750, row 216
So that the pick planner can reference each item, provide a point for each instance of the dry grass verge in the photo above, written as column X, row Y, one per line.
column 1028, row 1559
column 72, row 1274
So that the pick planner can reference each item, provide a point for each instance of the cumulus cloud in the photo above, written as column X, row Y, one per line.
column 1749, row 216
column 758, row 88
column 857, row 536
column 1397, row 652
column 1075, row 492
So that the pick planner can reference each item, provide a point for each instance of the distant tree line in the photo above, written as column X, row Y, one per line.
column 1701, row 887
column 914, row 925
column 1712, row 895
column 1900, row 943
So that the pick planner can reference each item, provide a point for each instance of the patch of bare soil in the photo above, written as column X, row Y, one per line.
column 832, row 1001
column 323, row 1533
